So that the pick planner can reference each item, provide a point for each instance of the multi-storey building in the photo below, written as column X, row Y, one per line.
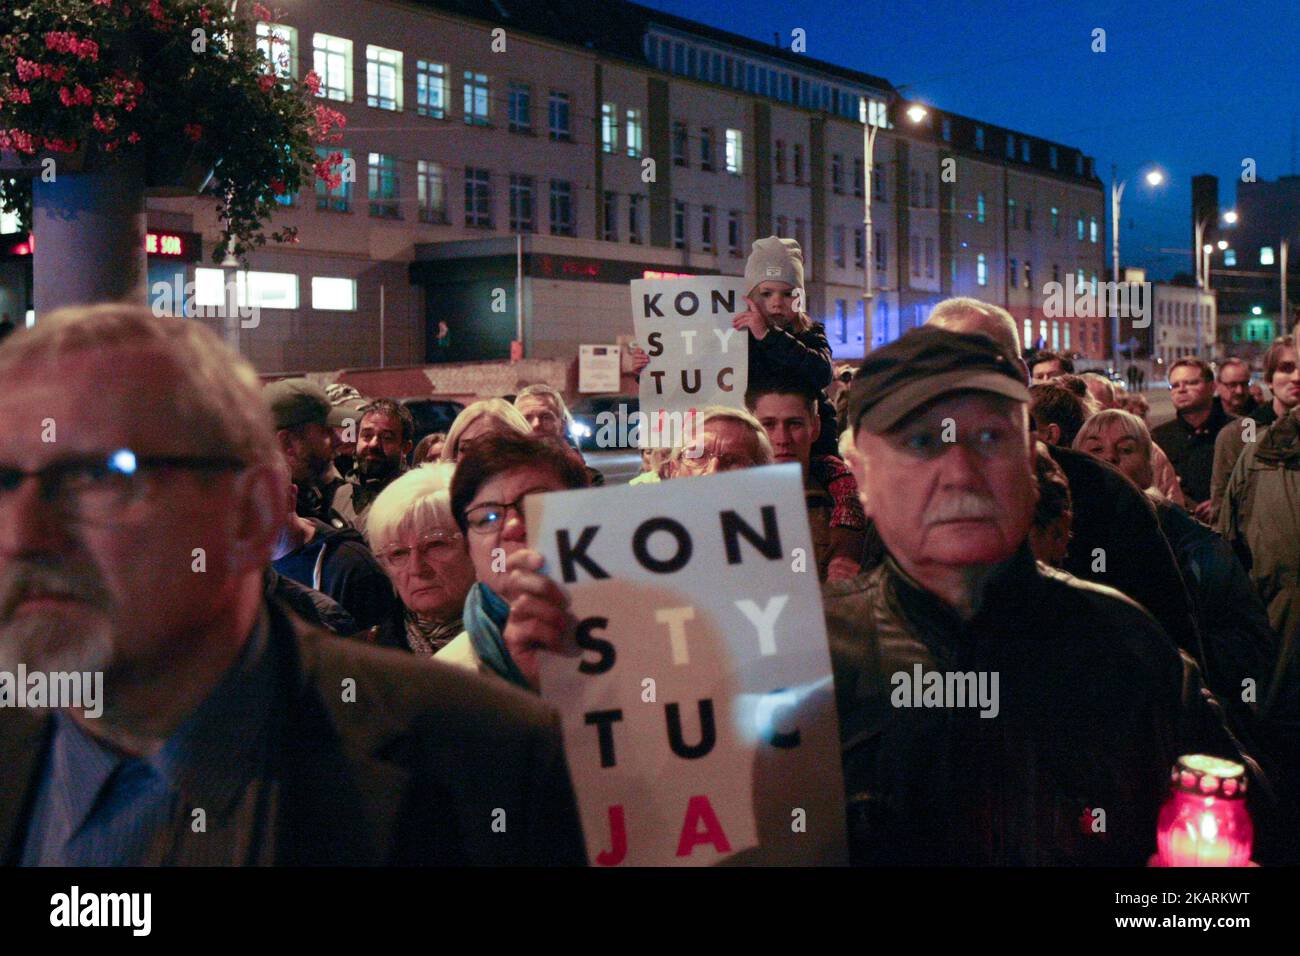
column 1246, row 274
column 517, row 162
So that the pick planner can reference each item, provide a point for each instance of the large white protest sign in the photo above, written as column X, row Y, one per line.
column 696, row 357
column 699, row 712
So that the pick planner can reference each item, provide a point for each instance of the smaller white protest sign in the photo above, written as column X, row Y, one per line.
column 696, row 357
column 598, row 368
column 699, row 713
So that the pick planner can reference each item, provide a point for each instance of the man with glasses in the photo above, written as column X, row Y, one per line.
column 725, row 439
column 1188, row 438
column 119, row 430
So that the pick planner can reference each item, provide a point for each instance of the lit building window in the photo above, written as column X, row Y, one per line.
column 279, row 45
column 981, row 270
column 1266, row 255
column 634, row 133
column 735, row 152
column 333, row 295
column 383, row 78
column 477, row 98
column 609, row 127
column 332, row 61
column 431, row 89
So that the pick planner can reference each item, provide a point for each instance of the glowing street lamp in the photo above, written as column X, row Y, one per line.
column 1153, row 177
column 1230, row 217
column 874, row 114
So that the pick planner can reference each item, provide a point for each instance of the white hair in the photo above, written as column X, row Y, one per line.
column 506, row 415
column 762, row 444
column 412, row 505
column 542, row 390
column 964, row 314
column 1130, row 426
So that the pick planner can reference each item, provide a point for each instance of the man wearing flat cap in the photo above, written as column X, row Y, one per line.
column 993, row 711
column 304, row 420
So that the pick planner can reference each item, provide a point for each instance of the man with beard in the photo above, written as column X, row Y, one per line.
column 304, row 423
column 384, row 440
column 114, row 559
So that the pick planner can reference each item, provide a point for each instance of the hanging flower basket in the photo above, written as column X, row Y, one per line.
column 181, row 84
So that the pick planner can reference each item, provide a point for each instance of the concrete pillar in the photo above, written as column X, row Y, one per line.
column 89, row 232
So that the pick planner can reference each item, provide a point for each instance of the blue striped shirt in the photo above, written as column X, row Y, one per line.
column 97, row 807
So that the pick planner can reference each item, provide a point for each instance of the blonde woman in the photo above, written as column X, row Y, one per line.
column 490, row 416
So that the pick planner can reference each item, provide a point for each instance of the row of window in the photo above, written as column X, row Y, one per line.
column 673, row 55
column 706, row 153
column 1015, row 274
column 1087, row 228
column 274, row 290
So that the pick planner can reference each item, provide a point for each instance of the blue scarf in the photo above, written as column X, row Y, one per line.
column 485, row 619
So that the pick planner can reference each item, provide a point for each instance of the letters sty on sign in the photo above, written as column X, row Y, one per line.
column 699, row 712
column 696, row 357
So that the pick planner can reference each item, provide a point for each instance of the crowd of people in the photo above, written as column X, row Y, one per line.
column 353, row 675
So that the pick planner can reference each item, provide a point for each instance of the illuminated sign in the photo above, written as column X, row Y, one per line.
column 166, row 245
column 652, row 274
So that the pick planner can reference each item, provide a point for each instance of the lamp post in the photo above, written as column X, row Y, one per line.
column 1153, row 177
column 916, row 113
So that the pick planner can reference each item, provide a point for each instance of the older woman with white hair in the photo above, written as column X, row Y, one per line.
column 418, row 543
column 1237, row 643
column 490, row 416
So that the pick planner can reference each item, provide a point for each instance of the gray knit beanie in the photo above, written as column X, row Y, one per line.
column 777, row 259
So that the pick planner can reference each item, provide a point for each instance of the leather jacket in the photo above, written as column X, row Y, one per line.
column 1094, row 705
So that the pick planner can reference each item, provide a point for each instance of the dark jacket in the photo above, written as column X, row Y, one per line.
column 1191, row 450
column 1095, row 705
column 803, row 358
column 337, row 562
column 1110, row 513
column 317, row 609
column 411, row 773
column 1235, row 633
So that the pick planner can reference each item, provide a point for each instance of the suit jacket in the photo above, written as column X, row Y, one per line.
column 413, row 772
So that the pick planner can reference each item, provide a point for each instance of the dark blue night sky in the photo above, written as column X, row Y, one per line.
column 1194, row 86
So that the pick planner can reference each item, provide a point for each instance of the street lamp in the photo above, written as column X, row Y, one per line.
column 871, row 123
column 1230, row 217
column 1154, row 177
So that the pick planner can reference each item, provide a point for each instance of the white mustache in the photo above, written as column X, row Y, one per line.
column 964, row 506
column 24, row 578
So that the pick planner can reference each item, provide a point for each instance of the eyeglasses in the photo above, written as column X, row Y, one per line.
column 435, row 546
column 489, row 516
column 106, row 488
column 725, row 462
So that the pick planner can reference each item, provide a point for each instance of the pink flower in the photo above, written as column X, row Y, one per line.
column 28, row 71
column 311, row 82
column 79, row 96
column 17, row 95
column 205, row 14
column 193, row 132
column 103, row 125
column 262, row 13
column 266, row 81
column 133, row 137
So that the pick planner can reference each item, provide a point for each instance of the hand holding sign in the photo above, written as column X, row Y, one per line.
column 539, row 614
column 752, row 320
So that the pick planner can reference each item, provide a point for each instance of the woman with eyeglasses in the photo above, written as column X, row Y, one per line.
column 416, row 540
column 493, row 478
